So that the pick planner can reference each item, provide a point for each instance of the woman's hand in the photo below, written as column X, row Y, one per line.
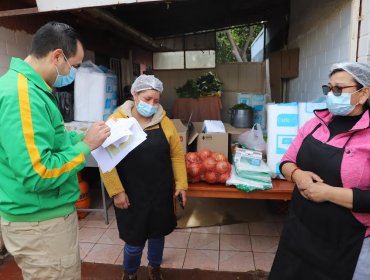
column 121, row 200
column 304, row 179
column 317, row 192
column 183, row 195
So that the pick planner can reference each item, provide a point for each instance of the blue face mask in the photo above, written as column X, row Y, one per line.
column 62, row 81
column 145, row 109
column 339, row 105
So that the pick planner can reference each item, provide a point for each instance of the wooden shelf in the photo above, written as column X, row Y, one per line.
column 282, row 190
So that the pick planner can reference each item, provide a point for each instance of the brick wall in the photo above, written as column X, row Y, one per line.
column 364, row 33
column 321, row 30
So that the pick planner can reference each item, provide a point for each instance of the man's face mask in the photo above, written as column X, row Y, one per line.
column 61, row 80
column 145, row 109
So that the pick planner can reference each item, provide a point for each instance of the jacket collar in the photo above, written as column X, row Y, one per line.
column 325, row 117
column 25, row 69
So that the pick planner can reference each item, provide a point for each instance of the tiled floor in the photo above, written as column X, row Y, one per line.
column 237, row 247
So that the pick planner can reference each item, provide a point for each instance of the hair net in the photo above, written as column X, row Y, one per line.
column 145, row 82
column 359, row 71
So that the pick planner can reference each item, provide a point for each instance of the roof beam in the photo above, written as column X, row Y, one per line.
column 136, row 35
column 19, row 12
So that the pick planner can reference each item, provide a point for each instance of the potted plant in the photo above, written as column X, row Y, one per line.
column 205, row 85
column 209, row 85
column 189, row 89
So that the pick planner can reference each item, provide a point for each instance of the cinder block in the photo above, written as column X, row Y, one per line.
column 365, row 25
column 332, row 55
column 365, row 7
column 364, row 45
column 344, row 53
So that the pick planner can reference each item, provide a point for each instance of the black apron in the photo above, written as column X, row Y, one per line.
column 319, row 240
column 147, row 176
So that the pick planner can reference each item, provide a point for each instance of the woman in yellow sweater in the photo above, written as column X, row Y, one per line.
column 144, row 182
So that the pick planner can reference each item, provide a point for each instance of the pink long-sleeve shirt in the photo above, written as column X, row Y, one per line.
column 355, row 166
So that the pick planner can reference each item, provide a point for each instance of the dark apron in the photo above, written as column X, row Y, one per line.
column 147, row 176
column 319, row 240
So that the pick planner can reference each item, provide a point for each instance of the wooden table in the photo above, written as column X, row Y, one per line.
column 281, row 190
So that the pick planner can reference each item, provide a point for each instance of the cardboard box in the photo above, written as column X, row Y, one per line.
column 182, row 132
column 216, row 141
column 282, row 128
column 234, row 132
column 95, row 94
column 305, row 111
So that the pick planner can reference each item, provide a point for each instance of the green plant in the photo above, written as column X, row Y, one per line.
column 205, row 85
column 208, row 84
column 241, row 106
column 189, row 89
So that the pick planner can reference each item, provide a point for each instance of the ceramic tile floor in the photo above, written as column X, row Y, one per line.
column 237, row 247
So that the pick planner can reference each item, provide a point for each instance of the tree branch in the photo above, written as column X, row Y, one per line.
column 234, row 47
column 250, row 30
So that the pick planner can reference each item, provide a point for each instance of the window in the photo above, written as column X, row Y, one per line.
column 200, row 59
column 168, row 60
column 184, row 60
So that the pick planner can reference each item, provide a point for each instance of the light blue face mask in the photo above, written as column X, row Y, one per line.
column 65, row 80
column 339, row 105
column 145, row 109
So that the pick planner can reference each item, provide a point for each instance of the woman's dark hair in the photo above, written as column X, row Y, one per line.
column 52, row 36
column 358, row 85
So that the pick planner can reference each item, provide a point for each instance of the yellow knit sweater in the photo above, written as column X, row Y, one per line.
column 111, row 179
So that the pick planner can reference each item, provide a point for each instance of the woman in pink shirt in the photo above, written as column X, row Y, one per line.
column 326, row 232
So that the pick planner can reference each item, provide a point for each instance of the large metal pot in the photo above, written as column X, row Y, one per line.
column 242, row 118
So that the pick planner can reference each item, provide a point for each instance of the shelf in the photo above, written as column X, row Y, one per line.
column 282, row 190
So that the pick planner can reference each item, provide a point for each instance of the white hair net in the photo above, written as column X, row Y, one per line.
column 359, row 71
column 145, row 82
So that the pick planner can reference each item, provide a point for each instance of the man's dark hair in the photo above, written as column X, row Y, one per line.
column 52, row 36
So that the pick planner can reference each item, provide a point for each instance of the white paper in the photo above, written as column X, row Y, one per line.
column 210, row 126
column 120, row 132
column 107, row 158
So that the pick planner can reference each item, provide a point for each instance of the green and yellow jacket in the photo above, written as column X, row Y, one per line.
column 111, row 179
column 38, row 158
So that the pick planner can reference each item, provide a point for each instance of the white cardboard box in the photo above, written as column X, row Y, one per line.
column 305, row 111
column 215, row 141
column 282, row 128
column 95, row 96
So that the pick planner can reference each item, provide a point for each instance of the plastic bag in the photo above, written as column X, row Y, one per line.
column 253, row 139
column 65, row 103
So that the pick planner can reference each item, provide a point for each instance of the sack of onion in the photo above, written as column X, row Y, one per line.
column 208, row 166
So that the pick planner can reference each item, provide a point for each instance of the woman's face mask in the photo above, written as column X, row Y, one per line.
column 65, row 80
column 340, row 105
column 145, row 109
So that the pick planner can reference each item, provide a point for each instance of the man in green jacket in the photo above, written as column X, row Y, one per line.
column 39, row 159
